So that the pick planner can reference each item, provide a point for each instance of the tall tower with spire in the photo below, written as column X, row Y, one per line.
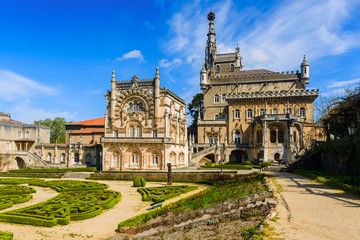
column 210, row 51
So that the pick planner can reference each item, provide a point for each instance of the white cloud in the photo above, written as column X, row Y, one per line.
column 166, row 63
column 132, row 54
column 275, row 39
column 344, row 83
column 15, row 86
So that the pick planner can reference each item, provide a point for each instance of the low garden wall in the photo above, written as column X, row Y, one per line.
column 176, row 176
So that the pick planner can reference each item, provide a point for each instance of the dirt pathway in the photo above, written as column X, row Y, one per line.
column 99, row 227
column 308, row 210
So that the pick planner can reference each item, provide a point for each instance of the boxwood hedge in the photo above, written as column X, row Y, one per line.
column 54, row 170
column 77, row 200
column 6, row 235
column 10, row 195
column 163, row 193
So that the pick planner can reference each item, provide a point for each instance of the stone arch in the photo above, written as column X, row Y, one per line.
column 238, row 156
column 115, row 156
column 209, row 158
column 88, row 159
column 20, row 162
column 181, row 158
column 152, row 152
column 172, row 159
column 135, row 157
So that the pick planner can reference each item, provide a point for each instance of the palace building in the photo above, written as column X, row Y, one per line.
column 256, row 115
column 145, row 126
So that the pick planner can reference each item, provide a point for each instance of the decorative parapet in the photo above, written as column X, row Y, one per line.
column 256, row 75
column 271, row 94
column 166, row 90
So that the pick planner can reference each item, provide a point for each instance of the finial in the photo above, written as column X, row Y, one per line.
column 157, row 76
column 113, row 76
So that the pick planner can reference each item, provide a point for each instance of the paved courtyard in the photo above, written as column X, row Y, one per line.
column 309, row 210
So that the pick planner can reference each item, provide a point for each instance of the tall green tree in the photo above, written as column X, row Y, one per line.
column 196, row 106
column 57, row 128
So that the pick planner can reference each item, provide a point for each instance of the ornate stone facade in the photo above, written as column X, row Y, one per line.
column 257, row 115
column 145, row 126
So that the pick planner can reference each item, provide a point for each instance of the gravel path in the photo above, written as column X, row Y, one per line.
column 100, row 227
column 308, row 210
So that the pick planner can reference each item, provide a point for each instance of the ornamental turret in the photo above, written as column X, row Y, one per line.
column 305, row 69
column 238, row 58
column 203, row 77
column 157, row 93
column 210, row 51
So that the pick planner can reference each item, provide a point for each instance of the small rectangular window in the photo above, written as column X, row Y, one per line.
column 27, row 135
column 7, row 147
column 155, row 133
column 19, row 134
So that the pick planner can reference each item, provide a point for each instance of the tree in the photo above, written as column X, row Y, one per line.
column 57, row 128
column 193, row 107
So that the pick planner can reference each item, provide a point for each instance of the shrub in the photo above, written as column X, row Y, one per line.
column 247, row 163
column 6, row 235
column 139, row 182
column 265, row 164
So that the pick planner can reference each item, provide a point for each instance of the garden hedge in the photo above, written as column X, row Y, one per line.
column 77, row 200
column 139, row 182
column 10, row 195
column 54, row 170
column 6, row 235
column 163, row 193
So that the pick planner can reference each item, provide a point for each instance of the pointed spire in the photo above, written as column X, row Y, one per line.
column 157, row 76
column 305, row 62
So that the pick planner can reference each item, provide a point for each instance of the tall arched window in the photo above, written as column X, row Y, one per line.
column 237, row 114
column 131, row 131
column 173, row 158
column 216, row 98
column 182, row 158
column 275, row 111
column 138, row 131
column 223, row 98
column 63, row 157
column 134, row 158
column 49, row 157
column 237, row 137
column 154, row 159
column 249, row 113
column 262, row 112
column 217, row 68
column 302, row 112
column 231, row 67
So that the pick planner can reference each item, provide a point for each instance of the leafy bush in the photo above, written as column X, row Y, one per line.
column 6, row 235
column 247, row 163
column 163, row 193
column 139, row 182
column 218, row 193
column 265, row 164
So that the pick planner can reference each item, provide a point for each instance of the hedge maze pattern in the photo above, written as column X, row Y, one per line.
column 6, row 235
column 77, row 200
column 10, row 195
column 163, row 193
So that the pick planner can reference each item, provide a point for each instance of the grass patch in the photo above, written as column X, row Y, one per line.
column 217, row 193
column 163, row 193
column 338, row 180
column 77, row 200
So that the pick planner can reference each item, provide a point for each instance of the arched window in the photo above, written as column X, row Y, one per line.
column 276, row 156
column 223, row 116
column 262, row 112
column 154, row 159
column 135, row 106
column 223, row 98
column 138, row 131
column 249, row 113
column 88, row 158
column 210, row 139
column 63, row 157
column 237, row 137
column 275, row 111
column 182, row 158
column 172, row 158
column 302, row 112
column 289, row 111
column 216, row 98
column 217, row 68
column 131, row 131
column 231, row 67
column 134, row 158
column 77, row 158
column 237, row 114
column 49, row 157
column 216, row 117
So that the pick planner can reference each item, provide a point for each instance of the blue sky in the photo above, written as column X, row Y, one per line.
column 56, row 57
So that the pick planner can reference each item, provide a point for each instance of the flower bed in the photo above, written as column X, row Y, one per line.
column 10, row 195
column 163, row 193
column 77, row 200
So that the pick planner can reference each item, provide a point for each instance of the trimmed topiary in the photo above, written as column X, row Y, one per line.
column 139, row 182
column 265, row 164
column 247, row 163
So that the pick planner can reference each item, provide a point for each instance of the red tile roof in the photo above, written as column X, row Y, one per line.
column 14, row 122
column 88, row 131
column 91, row 122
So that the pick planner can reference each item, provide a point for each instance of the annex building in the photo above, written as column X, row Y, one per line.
column 145, row 126
column 257, row 115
